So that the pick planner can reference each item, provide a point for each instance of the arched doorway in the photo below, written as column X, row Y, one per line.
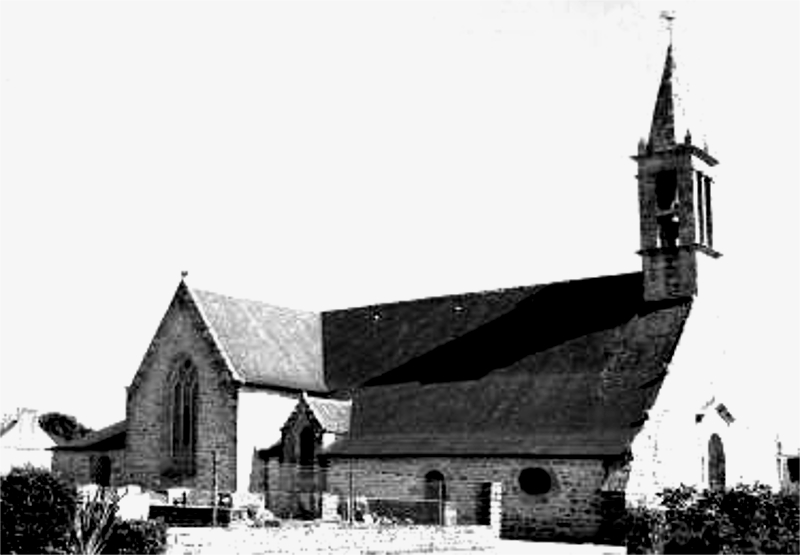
column 436, row 494
column 307, row 476
column 716, row 463
column 307, row 446
column 101, row 472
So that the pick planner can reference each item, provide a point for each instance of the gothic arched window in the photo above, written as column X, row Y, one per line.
column 716, row 463
column 183, row 437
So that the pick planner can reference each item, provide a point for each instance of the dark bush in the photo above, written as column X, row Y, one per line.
column 38, row 516
column 138, row 536
column 37, row 512
column 745, row 519
column 643, row 530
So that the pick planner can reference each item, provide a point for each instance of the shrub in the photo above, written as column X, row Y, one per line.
column 43, row 514
column 37, row 512
column 94, row 522
column 745, row 519
column 644, row 530
column 138, row 536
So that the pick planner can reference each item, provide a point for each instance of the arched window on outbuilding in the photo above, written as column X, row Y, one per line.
column 716, row 463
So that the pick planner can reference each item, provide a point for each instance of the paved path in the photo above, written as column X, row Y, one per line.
column 335, row 540
column 513, row 547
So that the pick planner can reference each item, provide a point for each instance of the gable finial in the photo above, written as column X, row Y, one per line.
column 669, row 17
column 184, row 273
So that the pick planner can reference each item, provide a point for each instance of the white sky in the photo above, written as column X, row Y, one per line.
column 327, row 155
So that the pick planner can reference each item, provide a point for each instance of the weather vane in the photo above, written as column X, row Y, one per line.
column 669, row 17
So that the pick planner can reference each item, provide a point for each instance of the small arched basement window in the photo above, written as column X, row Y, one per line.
column 716, row 463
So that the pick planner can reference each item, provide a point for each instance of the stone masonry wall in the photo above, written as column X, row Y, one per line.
column 147, row 453
column 77, row 466
column 571, row 509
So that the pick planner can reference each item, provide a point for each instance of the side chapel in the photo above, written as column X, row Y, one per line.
column 551, row 390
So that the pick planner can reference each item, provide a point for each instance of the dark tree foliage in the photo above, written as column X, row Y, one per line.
column 38, row 516
column 138, row 536
column 744, row 519
column 63, row 426
column 37, row 511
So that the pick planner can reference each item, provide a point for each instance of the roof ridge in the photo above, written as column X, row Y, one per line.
column 482, row 292
column 254, row 301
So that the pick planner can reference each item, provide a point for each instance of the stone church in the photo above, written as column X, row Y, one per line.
column 551, row 390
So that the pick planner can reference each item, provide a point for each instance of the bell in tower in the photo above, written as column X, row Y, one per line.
column 674, row 198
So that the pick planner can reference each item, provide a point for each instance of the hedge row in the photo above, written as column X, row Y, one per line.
column 745, row 519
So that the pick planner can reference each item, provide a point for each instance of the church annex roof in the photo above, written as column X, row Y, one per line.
column 264, row 344
column 108, row 438
column 332, row 414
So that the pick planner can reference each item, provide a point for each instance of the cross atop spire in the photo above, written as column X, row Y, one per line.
column 669, row 17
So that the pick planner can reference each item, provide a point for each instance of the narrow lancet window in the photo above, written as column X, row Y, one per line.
column 184, row 417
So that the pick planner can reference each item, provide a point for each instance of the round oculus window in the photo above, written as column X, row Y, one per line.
column 535, row 481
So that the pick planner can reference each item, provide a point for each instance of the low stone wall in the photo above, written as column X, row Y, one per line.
column 311, row 538
column 571, row 509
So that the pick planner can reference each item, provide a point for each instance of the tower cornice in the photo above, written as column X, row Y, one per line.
column 678, row 149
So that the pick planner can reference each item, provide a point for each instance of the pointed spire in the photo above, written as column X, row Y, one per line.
column 662, row 130
column 671, row 114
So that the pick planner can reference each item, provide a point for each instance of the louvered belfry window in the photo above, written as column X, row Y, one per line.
column 667, row 208
column 184, row 416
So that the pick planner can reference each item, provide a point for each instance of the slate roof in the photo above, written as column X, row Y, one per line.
column 106, row 439
column 361, row 343
column 264, row 344
column 332, row 414
column 568, row 368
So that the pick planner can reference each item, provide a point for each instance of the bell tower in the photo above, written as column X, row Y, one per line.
column 675, row 186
